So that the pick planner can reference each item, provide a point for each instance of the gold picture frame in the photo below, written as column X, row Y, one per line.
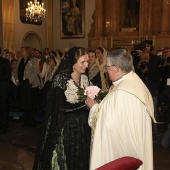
column 72, row 18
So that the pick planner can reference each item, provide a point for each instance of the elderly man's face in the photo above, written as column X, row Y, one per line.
column 112, row 70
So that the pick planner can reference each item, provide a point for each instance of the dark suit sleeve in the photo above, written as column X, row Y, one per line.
column 5, row 75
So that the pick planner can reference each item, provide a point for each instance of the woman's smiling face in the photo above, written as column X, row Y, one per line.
column 81, row 65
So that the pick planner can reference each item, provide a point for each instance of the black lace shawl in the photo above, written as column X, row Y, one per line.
column 64, row 140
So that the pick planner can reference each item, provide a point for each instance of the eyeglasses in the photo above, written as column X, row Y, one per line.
column 106, row 67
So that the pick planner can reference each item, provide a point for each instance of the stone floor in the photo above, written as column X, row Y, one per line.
column 17, row 149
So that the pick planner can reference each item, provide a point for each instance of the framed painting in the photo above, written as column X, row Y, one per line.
column 72, row 18
column 129, row 15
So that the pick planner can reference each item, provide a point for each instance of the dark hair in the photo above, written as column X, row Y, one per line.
column 70, row 58
column 150, row 42
column 53, row 58
column 75, row 53
column 101, row 49
column 141, row 46
column 46, row 48
column 159, row 51
column 39, row 52
column 59, row 52
column 13, row 60
column 54, row 53
column 91, row 51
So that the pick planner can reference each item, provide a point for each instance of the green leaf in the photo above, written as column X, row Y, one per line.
column 81, row 96
column 100, row 95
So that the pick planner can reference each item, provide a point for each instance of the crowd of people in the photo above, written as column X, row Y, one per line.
column 37, row 86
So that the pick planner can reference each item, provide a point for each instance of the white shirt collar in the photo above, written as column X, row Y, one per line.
column 119, row 80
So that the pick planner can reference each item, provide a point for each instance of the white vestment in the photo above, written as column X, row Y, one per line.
column 121, row 124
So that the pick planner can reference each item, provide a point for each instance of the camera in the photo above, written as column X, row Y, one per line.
column 138, row 46
column 143, row 65
column 164, row 113
column 141, row 46
column 135, row 53
column 164, row 107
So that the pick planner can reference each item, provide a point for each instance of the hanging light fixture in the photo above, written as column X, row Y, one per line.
column 35, row 12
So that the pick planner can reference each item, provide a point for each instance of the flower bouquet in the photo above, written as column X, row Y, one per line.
column 92, row 92
column 76, row 94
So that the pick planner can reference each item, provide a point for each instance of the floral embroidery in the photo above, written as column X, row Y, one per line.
column 72, row 88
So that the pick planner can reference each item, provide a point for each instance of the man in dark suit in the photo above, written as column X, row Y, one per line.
column 5, row 77
column 164, row 100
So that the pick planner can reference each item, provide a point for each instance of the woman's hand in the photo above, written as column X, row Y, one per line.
column 90, row 102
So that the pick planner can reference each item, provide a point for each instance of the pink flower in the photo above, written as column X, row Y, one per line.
column 92, row 91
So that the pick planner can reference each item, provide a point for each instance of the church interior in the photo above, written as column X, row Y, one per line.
column 103, row 23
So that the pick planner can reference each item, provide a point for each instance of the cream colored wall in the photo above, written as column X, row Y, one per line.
column 8, row 24
column 14, row 30
column 22, row 29
column 61, row 44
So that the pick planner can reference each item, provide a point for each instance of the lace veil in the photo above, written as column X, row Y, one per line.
column 56, row 106
column 70, row 58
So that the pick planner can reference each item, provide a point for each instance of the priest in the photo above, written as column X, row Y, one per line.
column 122, row 122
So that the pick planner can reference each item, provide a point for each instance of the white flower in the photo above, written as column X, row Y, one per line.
column 72, row 89
column 71, row 92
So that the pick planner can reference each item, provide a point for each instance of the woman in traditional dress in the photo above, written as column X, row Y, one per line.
column 93, row 69
column 64, row 142
column 46, row 78
column 50, row 70
column 101, row 54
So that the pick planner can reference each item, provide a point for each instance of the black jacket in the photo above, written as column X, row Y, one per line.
column 5, row 76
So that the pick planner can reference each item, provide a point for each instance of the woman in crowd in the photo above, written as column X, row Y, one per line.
column 51, row 68
column 64, row 142
column 46, row 77
column 101, row 54
column 93, row 69
column 14, row 101
column 8, row 56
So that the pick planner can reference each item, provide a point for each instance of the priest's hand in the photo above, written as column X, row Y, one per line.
column 90, row 102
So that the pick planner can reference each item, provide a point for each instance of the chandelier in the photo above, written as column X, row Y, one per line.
column 35, row 12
